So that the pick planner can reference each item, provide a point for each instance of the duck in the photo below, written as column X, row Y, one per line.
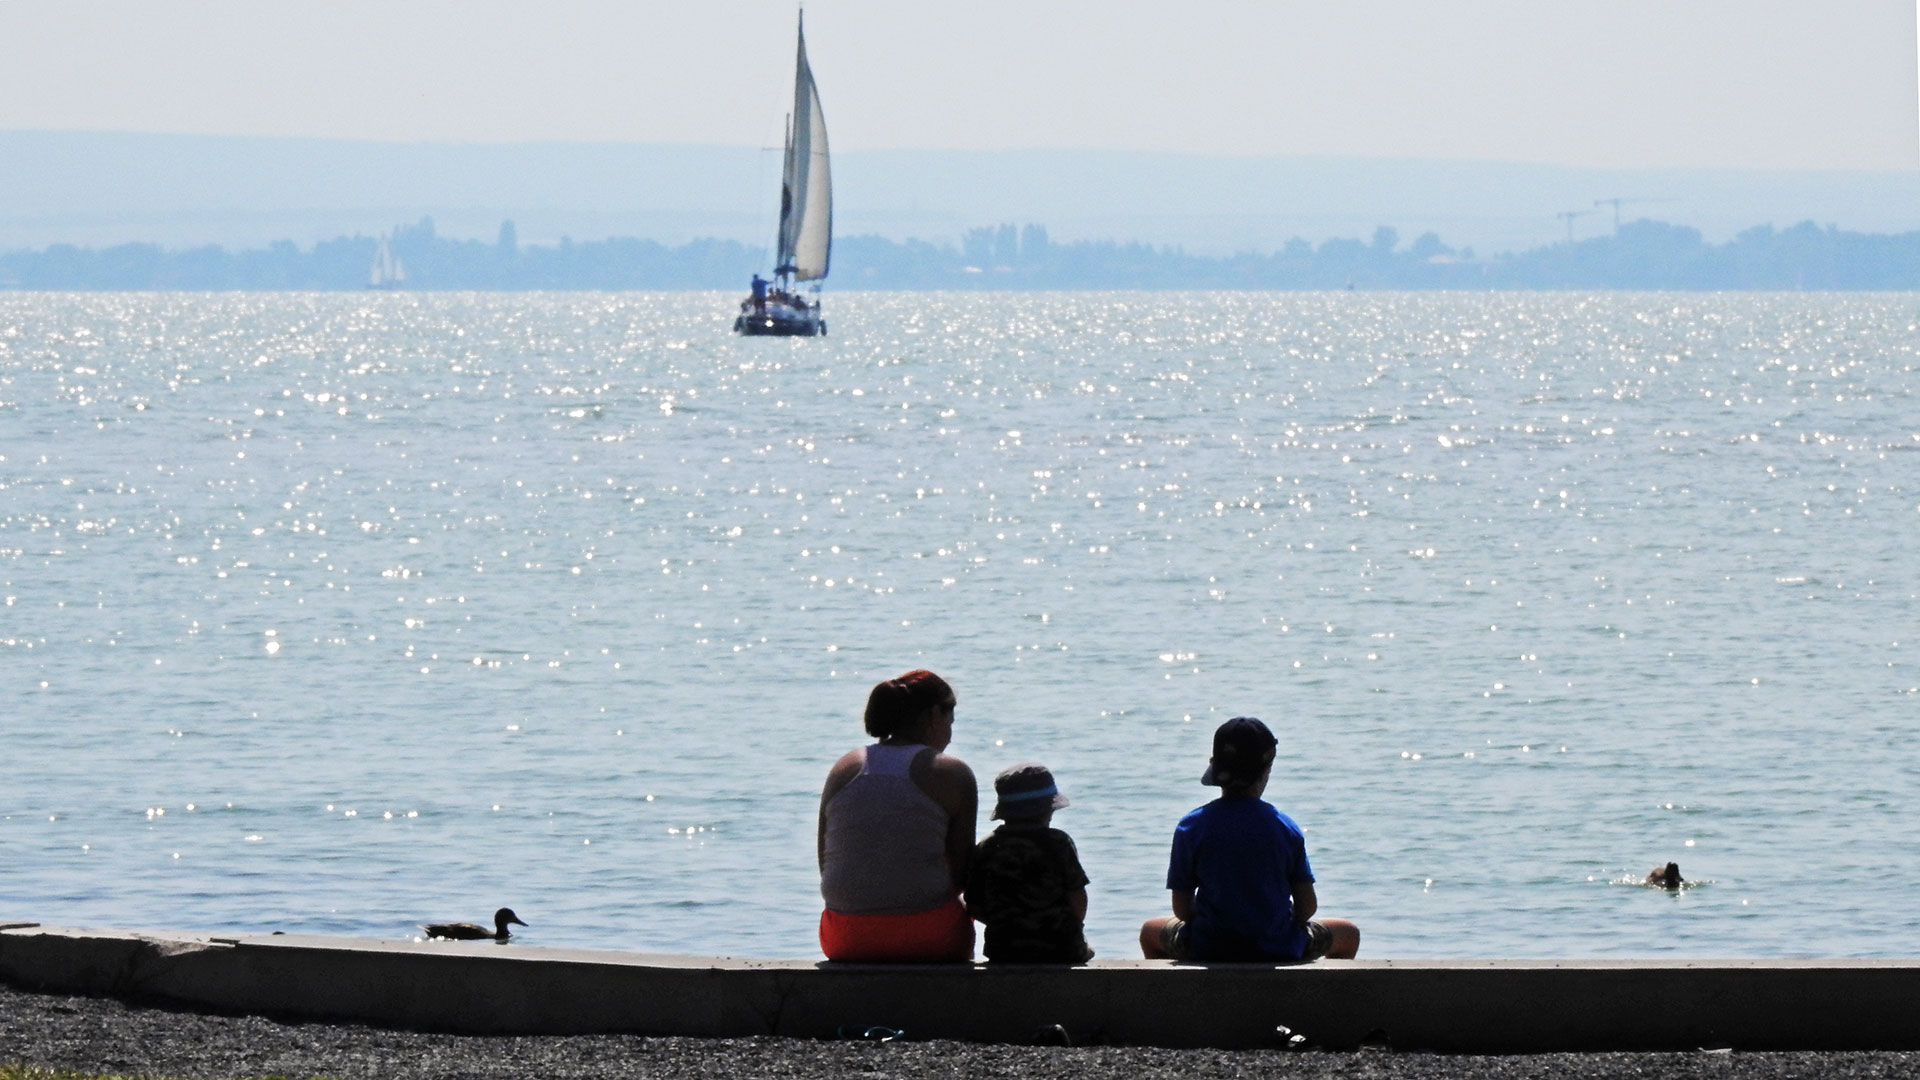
column 1665, row 877
column 466, row 931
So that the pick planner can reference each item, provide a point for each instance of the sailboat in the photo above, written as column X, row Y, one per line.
column 386, row 272
column 806, row 222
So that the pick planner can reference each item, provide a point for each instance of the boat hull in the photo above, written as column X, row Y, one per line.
column 781, row 324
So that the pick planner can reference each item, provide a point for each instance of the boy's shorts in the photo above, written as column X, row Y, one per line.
column 1175, row 935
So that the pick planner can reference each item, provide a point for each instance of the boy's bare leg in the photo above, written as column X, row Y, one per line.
column 1346, row 939
column 1151, row 933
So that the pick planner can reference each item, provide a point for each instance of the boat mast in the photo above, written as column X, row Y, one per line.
column 804, row 194
column 782, row 243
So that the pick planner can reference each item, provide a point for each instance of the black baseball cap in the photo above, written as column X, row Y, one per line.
column 1242, row 750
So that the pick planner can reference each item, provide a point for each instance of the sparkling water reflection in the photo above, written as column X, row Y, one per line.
column 343, row 613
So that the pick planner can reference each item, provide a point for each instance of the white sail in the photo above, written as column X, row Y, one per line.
column 806, row 188
column 386, row 271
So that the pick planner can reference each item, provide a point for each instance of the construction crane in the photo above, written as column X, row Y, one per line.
column 1618, row 202
column 1568, row 216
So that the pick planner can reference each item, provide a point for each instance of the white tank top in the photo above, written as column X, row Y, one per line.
column 886, row 841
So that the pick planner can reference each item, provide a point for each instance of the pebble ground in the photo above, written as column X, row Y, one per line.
column 104, row 1036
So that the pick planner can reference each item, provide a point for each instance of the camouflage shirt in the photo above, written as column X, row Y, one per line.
column 1018, row 886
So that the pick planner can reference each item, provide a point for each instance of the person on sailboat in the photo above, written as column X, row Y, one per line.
column 759, row 294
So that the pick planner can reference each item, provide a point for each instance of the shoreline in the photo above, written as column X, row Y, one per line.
column 470, row 995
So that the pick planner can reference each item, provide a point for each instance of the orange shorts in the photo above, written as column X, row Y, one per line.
column 940, row 936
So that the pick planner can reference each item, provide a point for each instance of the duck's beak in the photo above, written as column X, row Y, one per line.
column 516, row 922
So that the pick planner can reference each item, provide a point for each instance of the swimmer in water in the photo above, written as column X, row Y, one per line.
column 1665, row 877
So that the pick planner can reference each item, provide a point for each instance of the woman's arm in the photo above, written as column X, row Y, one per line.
column 839, row 776
column 951, row 784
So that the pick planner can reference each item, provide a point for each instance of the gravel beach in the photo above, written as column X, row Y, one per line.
column 95, row 1035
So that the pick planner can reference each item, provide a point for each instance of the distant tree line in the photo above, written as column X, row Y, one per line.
column 1639, row 255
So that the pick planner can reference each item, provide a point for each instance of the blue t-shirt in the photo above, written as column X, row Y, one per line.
column 1242, row 857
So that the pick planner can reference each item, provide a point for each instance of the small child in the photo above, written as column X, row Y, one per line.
column 1024, row 883
column 1242, row 888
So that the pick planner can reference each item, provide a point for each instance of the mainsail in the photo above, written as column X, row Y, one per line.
column 386, row 272
column 806, row 182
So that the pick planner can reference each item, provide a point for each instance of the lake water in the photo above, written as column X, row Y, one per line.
column 338, row 613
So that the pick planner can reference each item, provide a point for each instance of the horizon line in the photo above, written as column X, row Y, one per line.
column 1402, row 245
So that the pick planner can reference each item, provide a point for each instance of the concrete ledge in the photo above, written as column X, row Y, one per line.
column 1482, row 1006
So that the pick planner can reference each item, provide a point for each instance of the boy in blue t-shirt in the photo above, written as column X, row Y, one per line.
column 1242, row 887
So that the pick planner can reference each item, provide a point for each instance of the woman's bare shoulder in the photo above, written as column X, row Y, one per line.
column 949, row 765
column 946, row 773
column 845, row 770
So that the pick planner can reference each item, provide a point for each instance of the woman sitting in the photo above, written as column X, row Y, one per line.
column 896, row 828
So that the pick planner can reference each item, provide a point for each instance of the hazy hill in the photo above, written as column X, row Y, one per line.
column 180, row 191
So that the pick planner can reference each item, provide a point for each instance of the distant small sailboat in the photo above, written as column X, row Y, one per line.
column 775, row 307
column 466, row 931
column 387, row 271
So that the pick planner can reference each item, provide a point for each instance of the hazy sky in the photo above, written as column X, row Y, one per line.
column 1767, row 83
